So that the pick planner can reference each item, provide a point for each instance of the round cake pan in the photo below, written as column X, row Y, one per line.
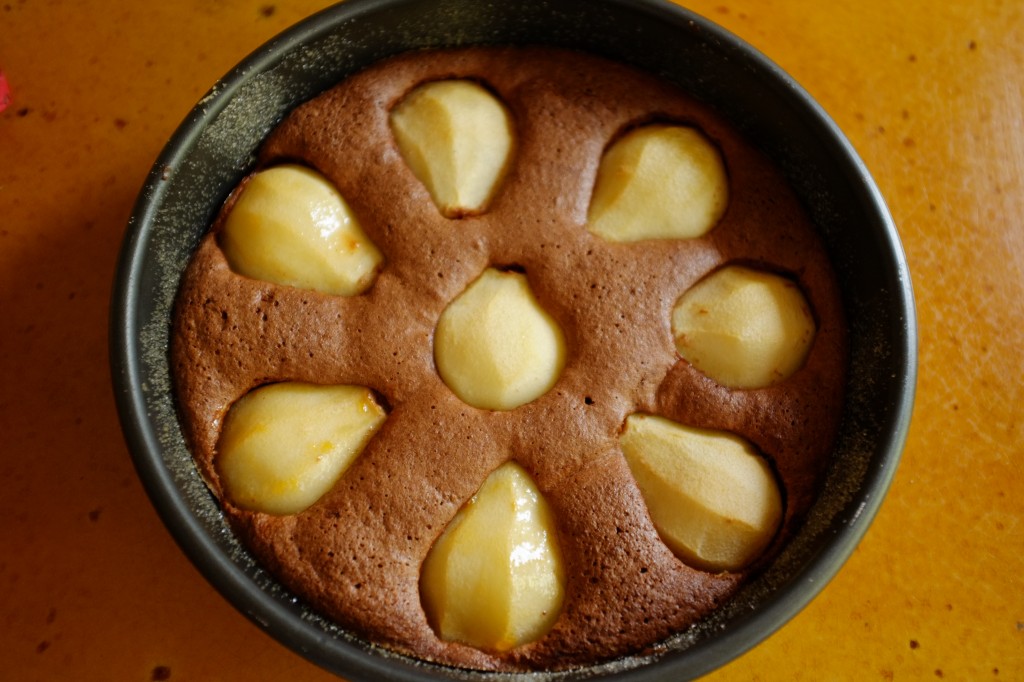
column 215, row 146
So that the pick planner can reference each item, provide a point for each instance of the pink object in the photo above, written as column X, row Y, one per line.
column 5, row 92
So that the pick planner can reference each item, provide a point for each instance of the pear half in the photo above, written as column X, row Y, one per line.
column 744, row 328
column 291, row 226
column 494, row 579
column 456, row 138
column 284, row 445
column 658, row 182
column 495, row 347
column 711, row 496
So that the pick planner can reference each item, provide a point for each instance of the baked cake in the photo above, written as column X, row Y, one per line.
column 574, row 377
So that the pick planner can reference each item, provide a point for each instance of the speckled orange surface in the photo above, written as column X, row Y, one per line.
column 93, row 588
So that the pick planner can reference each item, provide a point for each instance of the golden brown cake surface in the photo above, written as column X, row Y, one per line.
column 356, row 554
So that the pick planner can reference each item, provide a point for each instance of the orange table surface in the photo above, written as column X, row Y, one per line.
column 93, row 588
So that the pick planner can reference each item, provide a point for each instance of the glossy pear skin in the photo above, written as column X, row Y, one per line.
column 494, row 579
column 284, row 445
column 291, row 226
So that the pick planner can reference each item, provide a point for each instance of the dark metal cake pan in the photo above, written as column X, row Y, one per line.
column 216, row 145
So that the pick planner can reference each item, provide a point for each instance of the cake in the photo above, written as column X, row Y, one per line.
column 619, row 360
